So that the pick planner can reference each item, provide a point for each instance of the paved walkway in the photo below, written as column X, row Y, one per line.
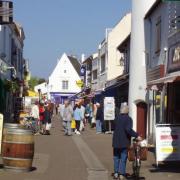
column 85, row 157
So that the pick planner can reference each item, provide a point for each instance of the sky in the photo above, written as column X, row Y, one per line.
column 53, row 27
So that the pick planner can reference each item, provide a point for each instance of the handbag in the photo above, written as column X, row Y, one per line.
column 73, row 124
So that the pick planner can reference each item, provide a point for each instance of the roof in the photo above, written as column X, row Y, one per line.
column 153, row 7
column 88, row 59
column 124, row 42
column 76, row 64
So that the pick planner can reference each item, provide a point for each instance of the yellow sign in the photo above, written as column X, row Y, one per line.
column 79, row 83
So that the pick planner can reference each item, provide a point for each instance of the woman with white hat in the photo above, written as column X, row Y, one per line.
column 121, row 141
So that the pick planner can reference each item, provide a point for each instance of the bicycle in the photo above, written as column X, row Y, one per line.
column 136, row 155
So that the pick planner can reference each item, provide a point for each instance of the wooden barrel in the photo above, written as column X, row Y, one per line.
column 17, row 148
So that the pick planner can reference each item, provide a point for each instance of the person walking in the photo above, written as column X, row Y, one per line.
column 41, row 116
column 35, row 116
column 121, row 141
column 83, row 116
column 99, row 118
column 77, row 117
column 47, row 120
column 67, row 117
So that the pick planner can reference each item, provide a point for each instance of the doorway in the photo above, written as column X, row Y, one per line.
column 142, row 119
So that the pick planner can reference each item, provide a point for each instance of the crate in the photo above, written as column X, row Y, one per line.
column 143, row 154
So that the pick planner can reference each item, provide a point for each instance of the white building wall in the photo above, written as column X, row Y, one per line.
column 137, row 79
column 58, row 75
column 43, row 87
column 118, row 34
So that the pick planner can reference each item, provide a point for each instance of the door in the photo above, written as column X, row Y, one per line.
column 141, row 119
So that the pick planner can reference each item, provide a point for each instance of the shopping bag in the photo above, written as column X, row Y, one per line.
column 73, row 124
column 48, row 126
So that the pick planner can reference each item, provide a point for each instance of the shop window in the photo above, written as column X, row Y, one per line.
column 158, row 36
column 94, row 75
column 103, row 64
column 158, row 107
column 65, row 85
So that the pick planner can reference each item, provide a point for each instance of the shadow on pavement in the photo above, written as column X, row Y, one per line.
column 172, row 167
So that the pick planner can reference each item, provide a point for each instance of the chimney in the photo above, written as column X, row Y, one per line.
column 82, row 58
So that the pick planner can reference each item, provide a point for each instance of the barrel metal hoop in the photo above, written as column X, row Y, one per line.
column 14, row 142
column 17, row 159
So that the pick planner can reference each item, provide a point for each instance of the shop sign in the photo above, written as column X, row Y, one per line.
column 109, row 108
column 176, row 57
column 79, row 83
column 82, row 71
column 1, row 130
column 167, row 143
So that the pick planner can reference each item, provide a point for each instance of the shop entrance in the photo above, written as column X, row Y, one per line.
column 173, row 113
column 141, row 119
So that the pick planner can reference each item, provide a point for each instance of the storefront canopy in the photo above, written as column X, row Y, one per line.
column 32, row 94
column 165, row 80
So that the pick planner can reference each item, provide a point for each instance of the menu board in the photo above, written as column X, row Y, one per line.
column 167, row 142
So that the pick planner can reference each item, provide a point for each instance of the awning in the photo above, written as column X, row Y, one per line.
column 165, row 80
column 32, row 94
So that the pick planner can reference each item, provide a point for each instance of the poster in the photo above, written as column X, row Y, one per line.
column 167, row 143
column 109, row 108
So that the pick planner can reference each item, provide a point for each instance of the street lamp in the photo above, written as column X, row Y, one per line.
column 39, row 92
column 4, row 67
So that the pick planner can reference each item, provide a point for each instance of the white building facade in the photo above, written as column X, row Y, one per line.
column 117, row 35
column 62, row 82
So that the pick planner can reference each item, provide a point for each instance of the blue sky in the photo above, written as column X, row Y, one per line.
column 72, row 26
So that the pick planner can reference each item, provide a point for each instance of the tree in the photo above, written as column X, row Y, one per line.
column 41, row 80
column 34, row 81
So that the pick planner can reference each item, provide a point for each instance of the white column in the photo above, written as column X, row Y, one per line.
column 137, row 79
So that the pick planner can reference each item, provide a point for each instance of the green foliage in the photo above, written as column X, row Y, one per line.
column 35, row 81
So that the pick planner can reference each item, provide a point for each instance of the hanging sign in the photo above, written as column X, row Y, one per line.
column 79, row 83
column 83, row 71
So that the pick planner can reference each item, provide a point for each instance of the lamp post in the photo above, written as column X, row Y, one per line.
column 39, row 92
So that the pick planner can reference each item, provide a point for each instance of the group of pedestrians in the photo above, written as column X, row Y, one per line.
column 41, row 114
column 76, row 117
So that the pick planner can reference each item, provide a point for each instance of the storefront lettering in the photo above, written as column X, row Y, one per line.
column 176, row 57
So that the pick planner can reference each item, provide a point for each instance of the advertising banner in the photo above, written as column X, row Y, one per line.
column 109, row 108
column 167, row 142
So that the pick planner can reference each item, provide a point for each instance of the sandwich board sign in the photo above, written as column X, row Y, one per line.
column 109, row 108
column 167, row 142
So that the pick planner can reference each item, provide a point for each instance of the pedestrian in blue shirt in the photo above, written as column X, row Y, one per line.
column 78, row 117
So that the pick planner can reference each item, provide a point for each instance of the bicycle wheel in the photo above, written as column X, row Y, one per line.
column 136, row 169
